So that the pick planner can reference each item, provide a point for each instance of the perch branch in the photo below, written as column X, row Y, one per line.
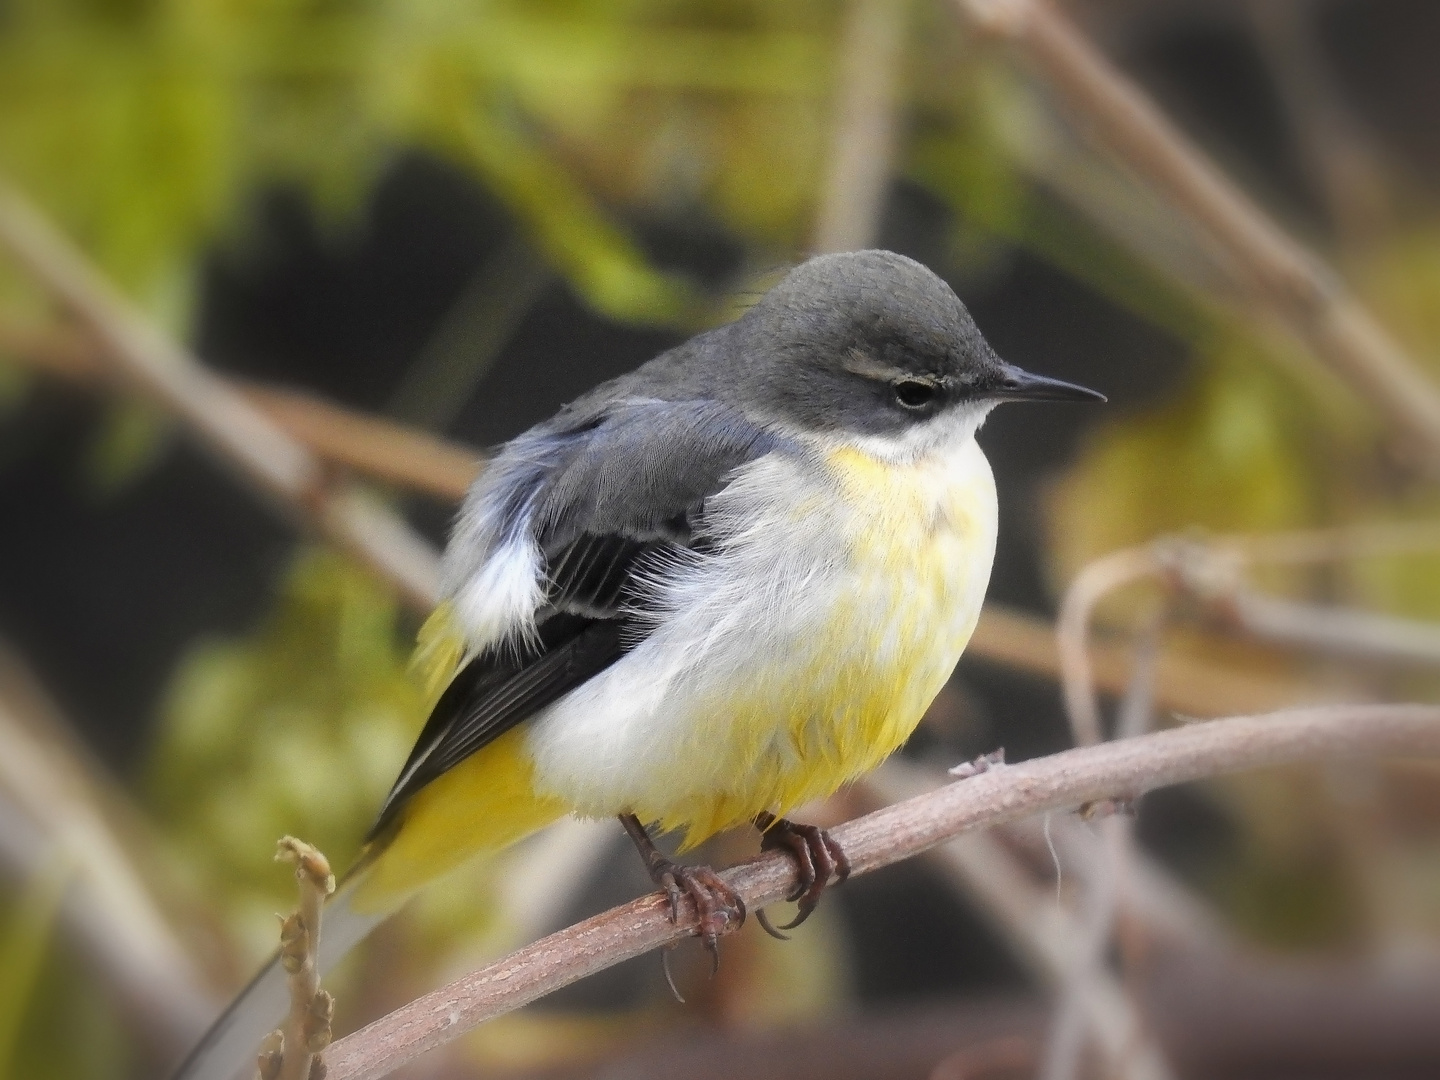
column 1122, row 769
column 1285, row 280
column 240, row 434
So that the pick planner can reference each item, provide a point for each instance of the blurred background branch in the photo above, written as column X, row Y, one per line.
column 240, row 434
column 1267, row 267
column 64, row 825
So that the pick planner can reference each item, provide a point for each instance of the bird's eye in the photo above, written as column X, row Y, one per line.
column 914, row 394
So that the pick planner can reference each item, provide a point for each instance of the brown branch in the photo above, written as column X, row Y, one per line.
column 370, row 445
column 1337, row 631
column 240, row 434
column 1212, row 573
column 1072, row 631
column 343, row 438
column 1338, row 150
column 862, row 142
column 1188, row 685
column 1286, row 281
column 1121, row 769
column 54, row 802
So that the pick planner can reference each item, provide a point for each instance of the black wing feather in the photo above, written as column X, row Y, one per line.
column 491, row 695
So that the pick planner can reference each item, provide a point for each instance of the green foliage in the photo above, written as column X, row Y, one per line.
column 25, row 937
column 1290, row 900
column 54, row 1019
column 1232, row 453
column 299, row 728
column 129, row 439
column 145, row 126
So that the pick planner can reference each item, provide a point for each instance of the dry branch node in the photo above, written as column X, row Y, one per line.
column 984, row 763
column 306, row 1028
column 272, row 1055
column 1096, row 809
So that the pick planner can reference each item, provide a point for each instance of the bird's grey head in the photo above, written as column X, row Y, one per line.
column 871, row 343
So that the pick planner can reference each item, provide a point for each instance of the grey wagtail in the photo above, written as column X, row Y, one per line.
column 701, row 595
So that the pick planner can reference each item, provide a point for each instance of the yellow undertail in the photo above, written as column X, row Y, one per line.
column 480, row 807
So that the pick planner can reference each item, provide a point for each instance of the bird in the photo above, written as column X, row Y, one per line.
column 699, row 596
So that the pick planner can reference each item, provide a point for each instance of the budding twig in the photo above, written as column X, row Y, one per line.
column 292, row 1052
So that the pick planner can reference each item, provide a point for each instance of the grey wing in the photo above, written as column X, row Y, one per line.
column 603, row 497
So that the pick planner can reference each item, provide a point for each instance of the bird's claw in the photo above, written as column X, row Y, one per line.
column 719, row 909
column 817, row 856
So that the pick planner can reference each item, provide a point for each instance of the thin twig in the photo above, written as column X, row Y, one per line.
column 370, row 445
column 1211, row 569
column 1338, row 151
column 1213, row 574
column 305, row 1031
column 472, row 334
column 1105, row 886
column 1072, row 632
column 242, row 435
column 1122, row 769
column 1284, row 280
column 343, row 438
column 1368, row 540
column 1187, row 685
column 1337, row 631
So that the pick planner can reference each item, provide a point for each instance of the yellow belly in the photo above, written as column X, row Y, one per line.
column 918, row 542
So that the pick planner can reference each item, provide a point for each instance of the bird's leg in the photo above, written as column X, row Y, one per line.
column 816, row 854
column 718, row 908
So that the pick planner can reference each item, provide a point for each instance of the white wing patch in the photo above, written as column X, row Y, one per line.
column 493, row 570
column 499, row 600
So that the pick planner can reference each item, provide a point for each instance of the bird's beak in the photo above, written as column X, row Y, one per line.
column 1016, row 384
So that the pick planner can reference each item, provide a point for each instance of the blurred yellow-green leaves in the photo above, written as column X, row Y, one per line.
column 146, row 126
column 299, row 728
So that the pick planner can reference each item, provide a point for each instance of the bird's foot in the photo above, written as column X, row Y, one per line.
column 719, row 909
column 818, row 857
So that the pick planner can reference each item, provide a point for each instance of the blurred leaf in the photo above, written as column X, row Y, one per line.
column 15, row 382
column 1290, row 902
column 25, row 938
column 145, row 127
column 1233, row 453
column 130, row 438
